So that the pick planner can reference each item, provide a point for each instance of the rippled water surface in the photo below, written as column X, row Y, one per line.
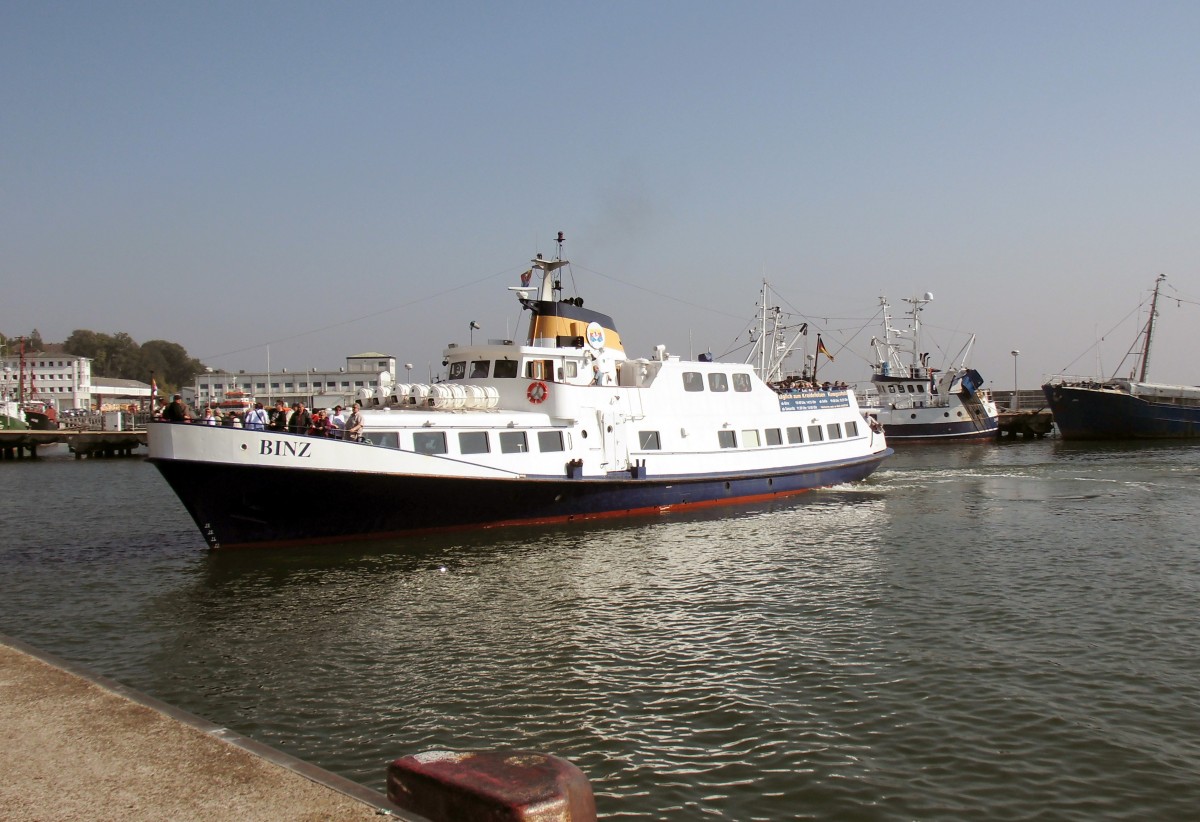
column 1003, row 631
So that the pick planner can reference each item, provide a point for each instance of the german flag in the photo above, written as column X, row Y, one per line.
column 821, row 349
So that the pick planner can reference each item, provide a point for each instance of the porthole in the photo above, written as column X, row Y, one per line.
column 244, row 446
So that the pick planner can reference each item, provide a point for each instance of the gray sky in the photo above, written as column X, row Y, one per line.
column 321, row 179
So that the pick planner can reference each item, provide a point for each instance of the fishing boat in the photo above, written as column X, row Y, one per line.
column 12, row 418
column 1125, row 408
column 561, row 427
column 915, row 402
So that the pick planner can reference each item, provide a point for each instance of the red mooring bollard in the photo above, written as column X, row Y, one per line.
column 497, row 786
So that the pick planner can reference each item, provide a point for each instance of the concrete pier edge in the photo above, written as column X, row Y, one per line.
column 360, row 793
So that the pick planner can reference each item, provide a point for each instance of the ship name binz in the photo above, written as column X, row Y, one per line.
column 283, row 448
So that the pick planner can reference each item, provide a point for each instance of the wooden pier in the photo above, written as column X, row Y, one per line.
column 18, row 445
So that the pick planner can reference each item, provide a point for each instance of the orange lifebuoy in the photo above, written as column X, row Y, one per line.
column 537, row 392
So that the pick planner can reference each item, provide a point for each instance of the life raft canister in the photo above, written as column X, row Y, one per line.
column 537, row 392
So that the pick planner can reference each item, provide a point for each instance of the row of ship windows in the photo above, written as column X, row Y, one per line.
column 541, row 370
column 517, row 442
column 287, row 385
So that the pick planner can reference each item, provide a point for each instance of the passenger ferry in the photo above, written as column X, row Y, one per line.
column 561, row 427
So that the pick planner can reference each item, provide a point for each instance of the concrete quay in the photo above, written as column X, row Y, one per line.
column 25, row 444
column 78, row 746
column 1030, row 423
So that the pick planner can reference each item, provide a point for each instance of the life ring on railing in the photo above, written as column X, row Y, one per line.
column 537, row 392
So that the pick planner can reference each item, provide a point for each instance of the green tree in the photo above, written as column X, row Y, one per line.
column 118, row 355
column 171, row 362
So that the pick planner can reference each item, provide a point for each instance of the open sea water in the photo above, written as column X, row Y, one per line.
column 999, row 631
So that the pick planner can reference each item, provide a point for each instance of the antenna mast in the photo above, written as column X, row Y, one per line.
column 1150, row 328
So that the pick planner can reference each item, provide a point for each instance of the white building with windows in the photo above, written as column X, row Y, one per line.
column 318, row 389
column 63, row 381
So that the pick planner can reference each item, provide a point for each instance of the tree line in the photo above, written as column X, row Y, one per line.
column 118, row 355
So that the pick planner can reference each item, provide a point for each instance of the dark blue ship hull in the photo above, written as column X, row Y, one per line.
column 238, row 506
column 1104, row 413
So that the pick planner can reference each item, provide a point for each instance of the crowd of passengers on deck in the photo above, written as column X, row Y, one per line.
column 336, row 423
column 801, row 384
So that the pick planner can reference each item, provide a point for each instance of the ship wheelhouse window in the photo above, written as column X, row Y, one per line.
column 727, row 439
column 513, row 442
column 473, row 442
column 505, row 369
column 773, row 436
column 479, row 368
column 649, row 441
column 741, row 382
column 692, row 381
column 718, row 382
column 795, row 435
column 852, row 429
column 814, row 433
column 458, row 370
column 540, row 370
column 891, row 389
column 429, row 442
column 835, row 431
column 750, row 438
column 550, row 441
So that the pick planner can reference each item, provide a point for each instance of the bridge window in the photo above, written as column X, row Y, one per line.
column 718, row 382
column 505, row 369
column 479, row 368
column 741, row 382
column 692, row 381
column 540, row 370
column 458, row 370
column 473, row 442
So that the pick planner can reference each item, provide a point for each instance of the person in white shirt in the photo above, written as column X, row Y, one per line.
column 337, row 423
column 256, row 418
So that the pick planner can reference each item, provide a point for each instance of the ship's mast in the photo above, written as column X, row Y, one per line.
column 772, row 348
column 1150, row 328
